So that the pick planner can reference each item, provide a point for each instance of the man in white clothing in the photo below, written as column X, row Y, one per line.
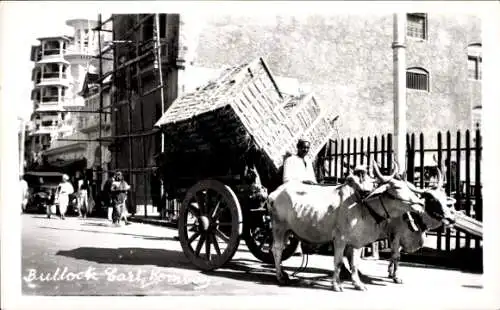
column 62, row 195
column 24, row 193
column 297, row 167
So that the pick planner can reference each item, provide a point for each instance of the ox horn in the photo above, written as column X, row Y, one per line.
column 381, row 177
column 414, row 189
column 440, row 178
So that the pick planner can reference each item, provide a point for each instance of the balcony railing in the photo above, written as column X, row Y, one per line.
column 52, row 52
column 50, row 99
column 77, row 50
column 53, row 75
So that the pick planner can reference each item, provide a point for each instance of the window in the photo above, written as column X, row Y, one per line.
column 417, row 78
column 50, row 91
column 51, row 48
column 474, row 61
column 416, row 25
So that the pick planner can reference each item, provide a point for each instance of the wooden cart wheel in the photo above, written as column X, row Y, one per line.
column 259, row 240
column 210, row 224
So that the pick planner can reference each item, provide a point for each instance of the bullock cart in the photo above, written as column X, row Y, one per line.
column 224, row 147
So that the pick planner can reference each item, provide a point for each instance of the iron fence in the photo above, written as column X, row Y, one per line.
column 457, row 155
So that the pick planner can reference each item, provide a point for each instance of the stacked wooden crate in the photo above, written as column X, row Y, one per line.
column 244, row 107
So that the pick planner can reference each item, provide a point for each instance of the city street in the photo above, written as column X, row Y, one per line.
column 92, row 257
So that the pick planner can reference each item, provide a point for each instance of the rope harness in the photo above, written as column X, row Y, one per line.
column 379, row 218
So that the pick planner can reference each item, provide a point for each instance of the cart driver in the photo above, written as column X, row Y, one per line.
column 297, row 167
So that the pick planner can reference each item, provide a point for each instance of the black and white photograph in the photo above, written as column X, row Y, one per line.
column 257, row 155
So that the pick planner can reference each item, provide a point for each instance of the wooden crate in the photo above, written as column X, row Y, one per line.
column 243, row 107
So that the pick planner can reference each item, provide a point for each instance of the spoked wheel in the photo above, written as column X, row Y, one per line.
column 259, row 239
column 210, row 224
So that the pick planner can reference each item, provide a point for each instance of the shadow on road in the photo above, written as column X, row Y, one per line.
column 130, row 256
column 252, row 271
column 112, row 232
column 472, row 286
column 241, row 270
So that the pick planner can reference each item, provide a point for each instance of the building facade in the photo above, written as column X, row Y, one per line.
column 60, row 118
column 51, row 83
column 348, row 61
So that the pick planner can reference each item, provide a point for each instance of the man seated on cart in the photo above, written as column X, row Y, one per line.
column 298, row 167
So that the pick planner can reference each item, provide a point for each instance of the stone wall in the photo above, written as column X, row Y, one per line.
column 348, row 61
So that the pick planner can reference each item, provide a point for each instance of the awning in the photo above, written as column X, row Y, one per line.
column 68, row 163
column 49, row 107
column 53, row 82
column 44, row 173
column 52, row 60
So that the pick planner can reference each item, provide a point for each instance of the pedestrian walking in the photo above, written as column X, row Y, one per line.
column 119, row 192
column 50, row 206
column 156, row 196
column 106, row 195
column 82, row 197
column 24, row 193
column 62, row 195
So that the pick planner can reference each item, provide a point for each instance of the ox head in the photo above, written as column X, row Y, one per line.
column 437, row 203
column 360, row 181
column 395, row 189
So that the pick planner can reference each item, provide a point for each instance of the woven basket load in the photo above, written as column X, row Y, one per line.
column 244, row 107
column 310, row 121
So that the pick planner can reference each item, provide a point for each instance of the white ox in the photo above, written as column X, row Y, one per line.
column 321, row 214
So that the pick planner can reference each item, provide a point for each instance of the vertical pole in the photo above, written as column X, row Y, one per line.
column 399, row 97
column 159, row 62
column 128, row 81
column 101, row 99
column 138, row 75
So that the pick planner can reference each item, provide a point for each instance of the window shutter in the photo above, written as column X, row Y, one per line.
column 34, row 93
column 34, row 53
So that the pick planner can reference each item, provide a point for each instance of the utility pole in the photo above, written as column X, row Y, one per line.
column 160, row 71
column 399, row 97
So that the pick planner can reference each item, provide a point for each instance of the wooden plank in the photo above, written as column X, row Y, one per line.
column 468, row 224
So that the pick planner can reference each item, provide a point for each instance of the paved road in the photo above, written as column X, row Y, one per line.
column 92, row 257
